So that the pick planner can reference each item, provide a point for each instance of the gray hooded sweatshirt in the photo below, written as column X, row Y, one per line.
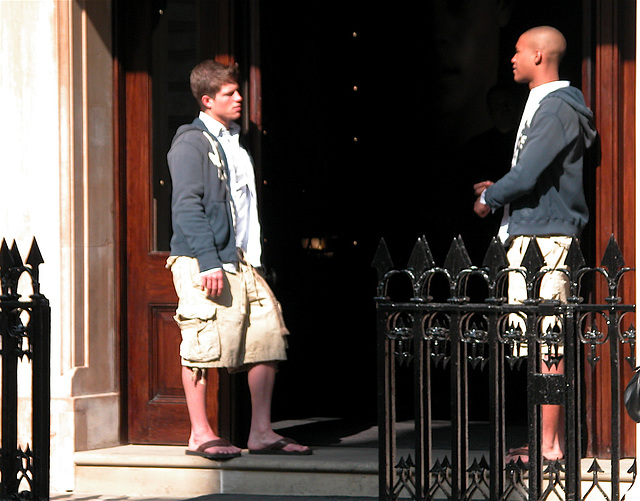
column 544, row 189
column 201, row 209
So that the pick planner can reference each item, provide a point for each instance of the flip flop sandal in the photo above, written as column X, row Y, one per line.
column 277, row 449
column 216, row 456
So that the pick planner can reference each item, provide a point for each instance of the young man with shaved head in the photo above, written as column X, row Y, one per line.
column 543, row 193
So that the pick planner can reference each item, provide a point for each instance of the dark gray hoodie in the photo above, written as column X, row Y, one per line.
column 544, row 189
column 201, row 210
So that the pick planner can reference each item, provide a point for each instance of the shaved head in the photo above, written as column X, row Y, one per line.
column 549, row 41
column 538, row 55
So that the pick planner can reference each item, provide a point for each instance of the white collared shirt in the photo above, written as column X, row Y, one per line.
column 242, row 187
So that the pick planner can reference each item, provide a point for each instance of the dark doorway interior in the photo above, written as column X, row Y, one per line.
column 375, row 125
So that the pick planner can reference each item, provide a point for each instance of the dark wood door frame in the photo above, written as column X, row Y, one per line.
column 609, row 84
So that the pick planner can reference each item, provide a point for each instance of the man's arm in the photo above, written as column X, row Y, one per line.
column 545, row 141
column 186, row 161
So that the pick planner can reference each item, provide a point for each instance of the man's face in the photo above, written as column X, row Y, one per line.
column 524, row 60
column 226, row 106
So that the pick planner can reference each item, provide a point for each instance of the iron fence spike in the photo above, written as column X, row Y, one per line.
column 533, row 259
column 6, row 259
column 457, row 258
column 430, row 261
column 496, row 257
column 450, row 259
column 595, row 467
column 464, row 252
column 34, row 258
column 438, row 467
column 419, row 259
column 382, row 260
column 575, row 259
column 474, row 466
column 15, row 254
column 612, row 258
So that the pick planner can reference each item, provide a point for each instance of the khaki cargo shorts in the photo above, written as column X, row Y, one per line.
column 241, row 327
column 554, row 285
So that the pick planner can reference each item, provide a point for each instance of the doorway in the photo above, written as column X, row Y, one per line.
column 376, row 125
column 368, row 125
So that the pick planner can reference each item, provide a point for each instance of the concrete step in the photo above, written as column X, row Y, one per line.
column 166, row 472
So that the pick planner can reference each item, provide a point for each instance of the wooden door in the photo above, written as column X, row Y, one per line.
column 610, row 74
column 157, row 44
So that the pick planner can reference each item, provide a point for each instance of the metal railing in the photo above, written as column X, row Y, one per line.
column 422, row 326
column 25, row 332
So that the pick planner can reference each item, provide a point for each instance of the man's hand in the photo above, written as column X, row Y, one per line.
column 479, row 208
column 478, row 188
column 212, row 283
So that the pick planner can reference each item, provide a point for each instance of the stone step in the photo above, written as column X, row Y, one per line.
column 165, row 471
column 143, row 471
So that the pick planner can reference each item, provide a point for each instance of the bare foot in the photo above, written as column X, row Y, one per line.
column 522, row 453
column 224, row 447
column 552, row 455
column 268, row 439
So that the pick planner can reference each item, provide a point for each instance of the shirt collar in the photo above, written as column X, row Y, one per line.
column 536, row 95
column 216, row 128
column 541, row 91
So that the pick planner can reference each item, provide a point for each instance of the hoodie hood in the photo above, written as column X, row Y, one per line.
column 574, row 98
column 197, row 124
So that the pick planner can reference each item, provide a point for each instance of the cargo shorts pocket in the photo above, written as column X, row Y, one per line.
column 200, row 339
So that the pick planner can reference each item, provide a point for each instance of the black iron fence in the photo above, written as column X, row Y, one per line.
column 25, row 328
column 456, row 316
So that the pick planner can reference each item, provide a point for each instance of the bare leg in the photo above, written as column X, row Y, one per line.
column 552, row 428
column 195, row 390
column 261, row 378
column 553, row 422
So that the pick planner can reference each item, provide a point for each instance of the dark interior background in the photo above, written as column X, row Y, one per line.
column 371, row 130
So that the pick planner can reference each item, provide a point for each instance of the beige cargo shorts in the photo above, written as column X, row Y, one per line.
column 241, row 327
column 554, row 285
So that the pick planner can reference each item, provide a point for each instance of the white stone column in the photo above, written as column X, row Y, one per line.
column 56, row 144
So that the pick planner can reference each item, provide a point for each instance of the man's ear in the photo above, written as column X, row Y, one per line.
column 538, row 57
column 206, row 101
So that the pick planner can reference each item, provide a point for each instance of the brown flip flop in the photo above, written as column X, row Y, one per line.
column 216, row 456
column 277, row 448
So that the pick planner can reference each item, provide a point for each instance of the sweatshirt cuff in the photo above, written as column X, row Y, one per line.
column 229, row 267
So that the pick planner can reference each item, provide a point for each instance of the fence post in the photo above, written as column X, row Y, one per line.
column 25, row 329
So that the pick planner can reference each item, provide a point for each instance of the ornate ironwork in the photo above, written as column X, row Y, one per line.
column 492, row 335
column 25, row 333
